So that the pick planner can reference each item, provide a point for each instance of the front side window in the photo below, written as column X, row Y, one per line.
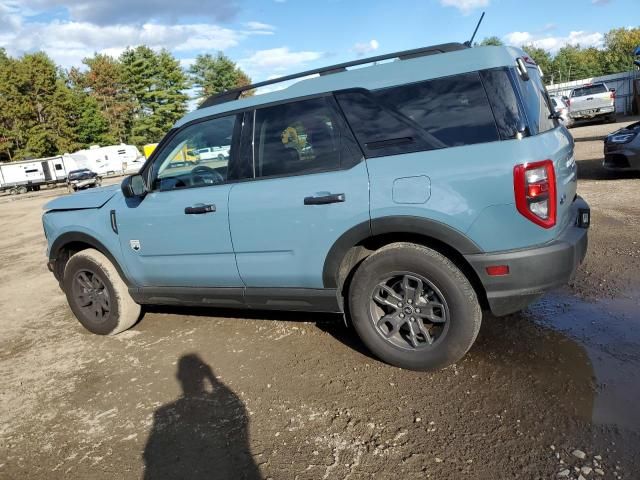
column 299, row 138
column 197, row 156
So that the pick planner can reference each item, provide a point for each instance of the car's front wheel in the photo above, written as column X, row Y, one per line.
column 413, row 307
column 97, row 295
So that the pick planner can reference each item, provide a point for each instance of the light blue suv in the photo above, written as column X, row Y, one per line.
column 411, row 195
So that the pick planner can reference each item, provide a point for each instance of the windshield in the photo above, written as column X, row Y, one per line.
column 589, row 90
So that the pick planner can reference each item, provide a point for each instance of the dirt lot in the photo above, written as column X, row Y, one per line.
column 221, row 394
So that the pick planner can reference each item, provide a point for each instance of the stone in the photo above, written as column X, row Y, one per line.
column 599, row 471
column 586, row 470
column 579, row 454
column 564, row 473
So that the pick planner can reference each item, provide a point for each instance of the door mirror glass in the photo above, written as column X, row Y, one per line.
column 134, row 186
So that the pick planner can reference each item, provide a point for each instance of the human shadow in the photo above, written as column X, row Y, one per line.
column 203, row 434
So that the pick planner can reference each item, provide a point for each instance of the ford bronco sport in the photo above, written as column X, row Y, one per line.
column 409, row 195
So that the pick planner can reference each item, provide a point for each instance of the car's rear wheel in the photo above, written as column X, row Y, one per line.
column 97, row 295
column 23, row 190
column 413, row 307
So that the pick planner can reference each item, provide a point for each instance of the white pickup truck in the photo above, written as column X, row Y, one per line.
column 592, row 101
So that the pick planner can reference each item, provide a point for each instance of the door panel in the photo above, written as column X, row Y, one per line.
column 178, row 235
column 175, row 248
column 280, row 241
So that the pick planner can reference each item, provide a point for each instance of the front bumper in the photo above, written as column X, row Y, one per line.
column 621, row 156
column 533, row 271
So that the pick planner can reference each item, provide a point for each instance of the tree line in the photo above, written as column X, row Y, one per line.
column 573, row 62
column 135, row 98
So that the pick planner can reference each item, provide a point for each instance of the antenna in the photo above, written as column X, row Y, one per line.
column 469, row 42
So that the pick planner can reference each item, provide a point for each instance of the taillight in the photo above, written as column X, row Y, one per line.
column 612, row 95
column 534, row 185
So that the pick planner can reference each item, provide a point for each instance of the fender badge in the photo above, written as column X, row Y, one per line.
column 135, row 245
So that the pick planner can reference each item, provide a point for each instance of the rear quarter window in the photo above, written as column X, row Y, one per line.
column 536, row 102
column 440, row 113
column 507, row 110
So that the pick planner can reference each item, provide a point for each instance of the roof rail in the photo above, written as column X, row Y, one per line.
column 234, row 93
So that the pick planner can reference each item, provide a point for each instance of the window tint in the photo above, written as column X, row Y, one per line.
column 380, row 131
column 453, row 110
column 197, row 156
column 504, row 103
column 440, row 113
column 589, row 90
column 536, row 102
column 299, row 137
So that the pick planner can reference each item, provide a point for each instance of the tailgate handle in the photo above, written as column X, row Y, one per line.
column 199, row 209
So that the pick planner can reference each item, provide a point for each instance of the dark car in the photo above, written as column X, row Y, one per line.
column 83, row 178
column 622, row 148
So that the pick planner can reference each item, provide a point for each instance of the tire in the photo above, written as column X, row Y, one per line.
column 22, row 190
column 121, row 311
column 449, row 288
column 13, row 191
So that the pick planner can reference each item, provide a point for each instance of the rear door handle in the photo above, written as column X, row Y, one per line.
column 324, row 199
column 199, row 209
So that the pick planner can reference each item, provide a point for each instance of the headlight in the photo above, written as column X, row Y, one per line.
column 622, row 137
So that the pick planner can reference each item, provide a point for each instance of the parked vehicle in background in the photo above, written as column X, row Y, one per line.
column 82, row 179
column 408, row 195
column 30, row 175
column 593, row 101
column 561, row 107
column 112, row 159
column 622, row 148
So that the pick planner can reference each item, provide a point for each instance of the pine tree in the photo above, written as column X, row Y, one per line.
column 212, row 75
column 157, row 83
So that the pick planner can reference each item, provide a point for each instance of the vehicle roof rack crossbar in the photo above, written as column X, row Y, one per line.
column 235, row 93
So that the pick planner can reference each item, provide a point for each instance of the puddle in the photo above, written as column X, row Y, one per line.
column 609, row 331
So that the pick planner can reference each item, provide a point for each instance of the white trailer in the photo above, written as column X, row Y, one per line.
column 30, row 175
column 111, row 159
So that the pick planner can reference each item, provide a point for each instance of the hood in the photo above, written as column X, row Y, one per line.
column 93, row 198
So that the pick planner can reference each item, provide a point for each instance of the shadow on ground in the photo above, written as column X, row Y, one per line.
column 592, row 169
column 203, row 434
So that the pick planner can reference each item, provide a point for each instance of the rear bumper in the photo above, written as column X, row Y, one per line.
column 535, row 270
column 583, row 115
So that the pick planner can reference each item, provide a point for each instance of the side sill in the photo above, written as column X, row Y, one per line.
column 293, row 299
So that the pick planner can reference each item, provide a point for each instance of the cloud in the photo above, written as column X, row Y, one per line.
column 259, row 26
column 364, row 48
column 68, row 42
column 465, row 6
column 265, row 63
column 127, row 12
column 600, row 2
column 555, row 43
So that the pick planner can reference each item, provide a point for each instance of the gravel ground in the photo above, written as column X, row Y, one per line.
column 548, row 393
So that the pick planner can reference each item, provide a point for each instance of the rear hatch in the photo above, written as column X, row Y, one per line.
column 554, row 141
column 588, row 99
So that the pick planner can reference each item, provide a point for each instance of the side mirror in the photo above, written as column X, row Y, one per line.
column 133, row 186
column 612, row 90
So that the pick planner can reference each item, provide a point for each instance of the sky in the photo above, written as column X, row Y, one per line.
column 271, row 38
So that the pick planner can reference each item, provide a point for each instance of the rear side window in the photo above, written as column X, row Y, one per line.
column 536, row 102
column 440, row 113
column 300, row 138
column 589, row 90
column 504, row 103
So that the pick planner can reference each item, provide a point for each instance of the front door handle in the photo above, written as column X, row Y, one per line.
column 199, row 209
column 325, row 199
